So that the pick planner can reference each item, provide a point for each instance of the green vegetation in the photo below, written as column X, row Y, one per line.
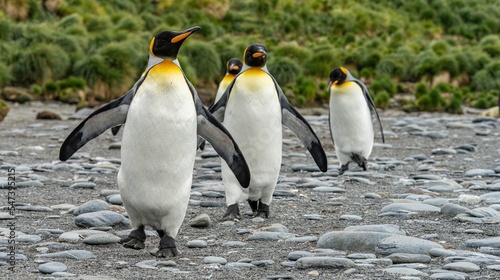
column 446, row 53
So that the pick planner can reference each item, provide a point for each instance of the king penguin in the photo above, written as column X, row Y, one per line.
column 164, row 115
column 233, row 67
column 351, row 113
column 253, row 109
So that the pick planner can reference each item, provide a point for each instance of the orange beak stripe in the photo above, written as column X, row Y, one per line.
column 236, row 68
column 335, row 82
column 255, row 55
column 180, row 37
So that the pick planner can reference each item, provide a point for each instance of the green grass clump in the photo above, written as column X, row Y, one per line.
column 284, row 70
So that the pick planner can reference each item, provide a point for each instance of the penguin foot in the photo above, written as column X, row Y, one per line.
column 135, row 240
column 360, row 160
column 253, row 205
column 263, row 211
column 232, row 212
column 134, row 244
column 167, row 247
column 343, row 168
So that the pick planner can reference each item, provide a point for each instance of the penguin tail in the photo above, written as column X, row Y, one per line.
column 360, row 160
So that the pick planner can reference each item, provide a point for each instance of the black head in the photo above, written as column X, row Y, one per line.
column 338, row 75
column 167, row 43
column 234, row 66
column 256, row 55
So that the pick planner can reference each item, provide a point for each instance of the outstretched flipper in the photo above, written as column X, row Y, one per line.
column 110, row 115
column 371, row 105
column 296, row 123
column 212, row 130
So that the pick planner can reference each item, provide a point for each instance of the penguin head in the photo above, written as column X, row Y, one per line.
column 256, row 55
column 338, row 76
column 166, row 44
column 234, row 66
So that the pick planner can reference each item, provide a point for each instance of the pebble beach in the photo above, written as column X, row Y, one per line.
column 427, row 208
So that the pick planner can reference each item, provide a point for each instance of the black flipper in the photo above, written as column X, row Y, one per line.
column 296, row 123
column 371, row 105
column 110, row 115
column 223, row 143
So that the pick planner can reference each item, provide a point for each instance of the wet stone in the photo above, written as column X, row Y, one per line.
column 101, row 218
column 115, row 199
column 70, row 254
column 216, row 260
column 101, row 239
column 201, row 221
column 409, row 258
column 234, row 244
column 324, row 262
column 83, row 185
column 295, row 255
column 196, row 244
column 462, row 266
column 51, row 267
column 479, row 173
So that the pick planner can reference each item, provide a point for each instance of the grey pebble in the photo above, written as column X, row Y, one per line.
column 70, row 254
column 89, row 207
column 462, row 266
column 280, row 277
column 493, row 242
column 373, row 196
column 83, row 185
column 212, row 194
column 302, row 239
column 362, row 241
column 239, row 265
column 275, row 228
column 404, row 244
column 438, row 202
column 268, row 236
column 328, row 189
column 350, row 218
column 34, row 208
column 409, row 207
column 196, row 244
column 201, row 221
column 359, row 256
column 29, row 184
column 409, row 258
column 448, row 276
column 101, row 218
column 324, row 262
column 216, row 260
column 385, row 228
column 442, row 151
column 115, row 199
column 101, row 239
column 479, row 173
column 6, row 256
column 51, row 267
column 453, row 209
column 284, row 193
column 261, row 263
column 212, row 204
column 295, row 255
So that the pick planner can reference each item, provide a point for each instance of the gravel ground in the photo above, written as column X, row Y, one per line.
column 420, row 149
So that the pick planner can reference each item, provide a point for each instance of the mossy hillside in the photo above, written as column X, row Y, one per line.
column 392, row 45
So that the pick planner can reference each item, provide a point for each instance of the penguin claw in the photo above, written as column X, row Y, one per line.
column 134, row 244
column 232, row 212
column 343, row 168
column 167, row 252
column 167, row 247
column 263, row 211
column 135, row 240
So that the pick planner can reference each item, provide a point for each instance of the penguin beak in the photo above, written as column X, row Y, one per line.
column 335, row 82
column 235, row 67
column 258, row 54
column 185, row 34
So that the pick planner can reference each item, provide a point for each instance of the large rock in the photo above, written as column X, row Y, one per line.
column 4, row 109
column 101, row 218
column 355, row 241
column 16, row 94
column 405, row 244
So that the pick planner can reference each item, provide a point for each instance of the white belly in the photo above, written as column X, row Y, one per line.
column 158, row 152
column 350, row 122
column 253, row 117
